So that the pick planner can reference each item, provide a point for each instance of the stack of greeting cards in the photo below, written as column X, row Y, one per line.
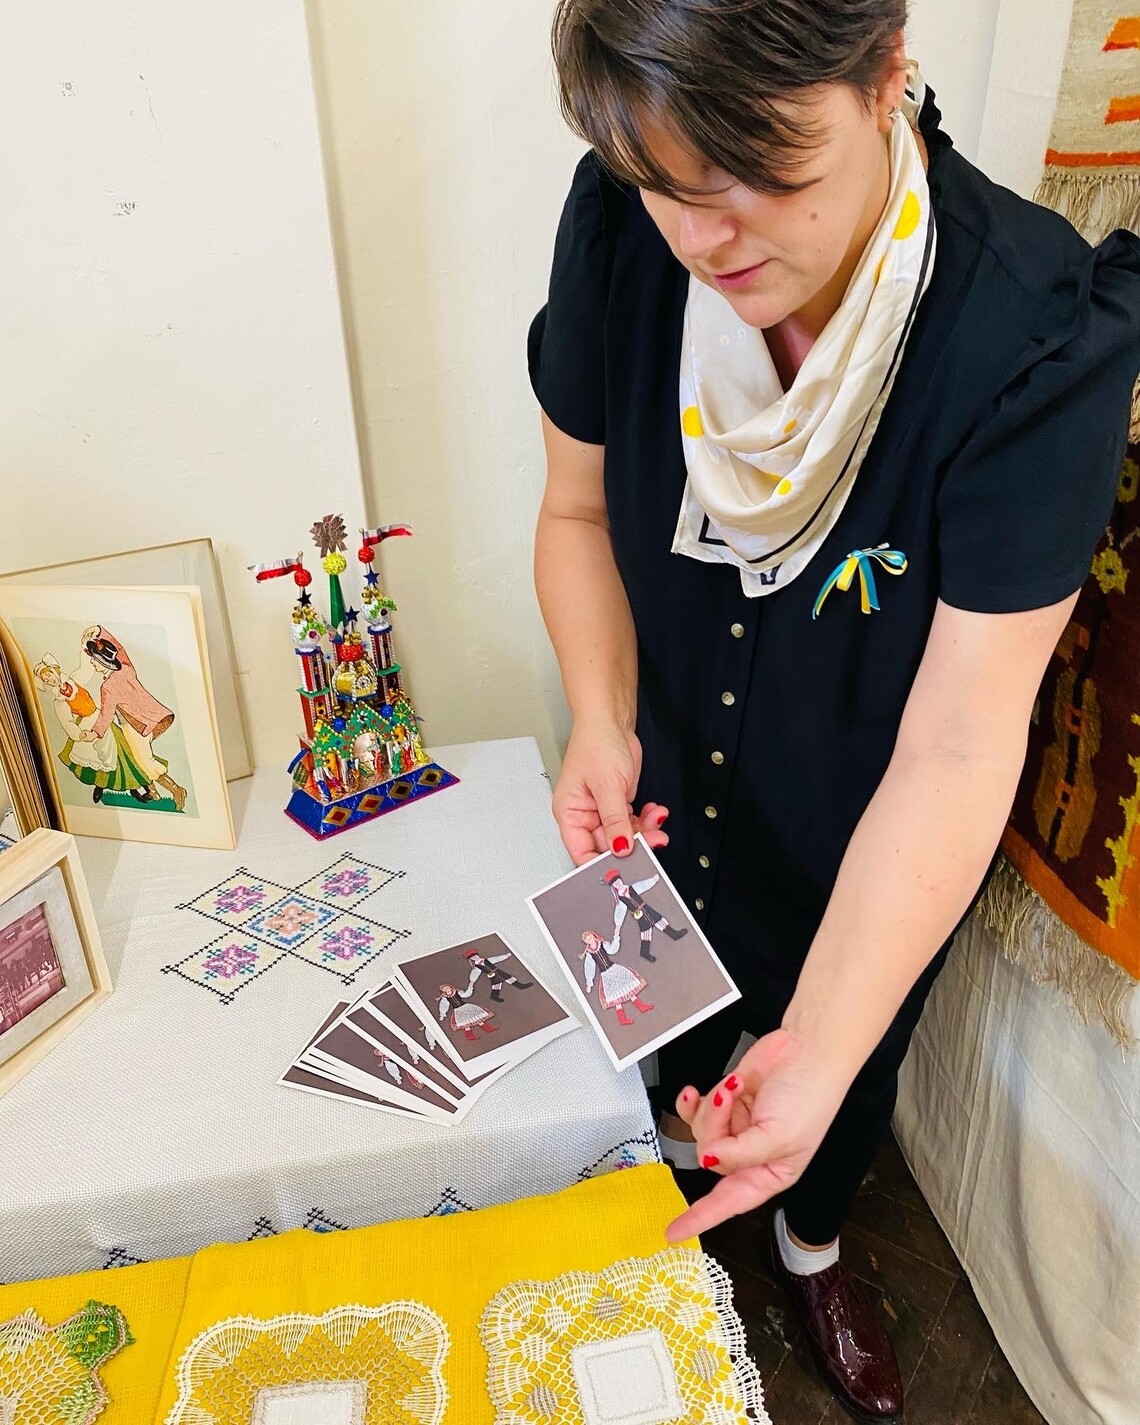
column 429, row 1041
column 436, row 1035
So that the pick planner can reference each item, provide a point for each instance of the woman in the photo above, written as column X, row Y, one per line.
column 833, row 425
column 618, row 985
column 103, row 763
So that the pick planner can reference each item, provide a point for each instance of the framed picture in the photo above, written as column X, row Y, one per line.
column 27, row 794
column 117, row 682
column 188, row 563
column 52, row 969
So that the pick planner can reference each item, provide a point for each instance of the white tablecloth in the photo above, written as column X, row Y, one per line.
column 158, row 1128
column 1022, row 1127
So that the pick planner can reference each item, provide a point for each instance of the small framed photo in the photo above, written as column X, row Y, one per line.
column 52, row 969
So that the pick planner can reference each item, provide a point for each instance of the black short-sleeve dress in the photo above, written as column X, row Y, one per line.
column 993, row 469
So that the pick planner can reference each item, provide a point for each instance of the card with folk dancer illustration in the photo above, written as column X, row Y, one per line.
column 328, row 1085
column 376, row 1065
column 389, row 1005
column 117, row 683
column 638, row 963
column 483, row 1003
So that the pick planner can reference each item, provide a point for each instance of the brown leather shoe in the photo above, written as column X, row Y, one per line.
column 852, row 1350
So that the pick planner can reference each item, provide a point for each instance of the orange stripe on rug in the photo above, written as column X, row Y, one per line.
column 1125, row 34
column 1091, row 160
column 1124, row 111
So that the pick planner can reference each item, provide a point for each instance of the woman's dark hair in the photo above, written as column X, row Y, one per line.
column 727, row 76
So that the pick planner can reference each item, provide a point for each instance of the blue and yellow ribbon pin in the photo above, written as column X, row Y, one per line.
column 859, row 562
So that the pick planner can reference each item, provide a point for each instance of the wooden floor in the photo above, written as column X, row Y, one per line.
column 954, row 1371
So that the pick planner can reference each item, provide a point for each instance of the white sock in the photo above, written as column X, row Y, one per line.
column 682, row 1155
column 797, row 1261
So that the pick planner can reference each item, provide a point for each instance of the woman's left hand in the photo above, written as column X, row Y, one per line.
column 760, row 1127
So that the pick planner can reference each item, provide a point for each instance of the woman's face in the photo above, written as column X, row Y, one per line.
column 770, row 255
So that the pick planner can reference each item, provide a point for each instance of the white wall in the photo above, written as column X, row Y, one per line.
column 953, row 41
column 448, row 166
column 172, row 363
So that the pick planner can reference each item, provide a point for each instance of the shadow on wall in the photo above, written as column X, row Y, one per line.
column 446, row 166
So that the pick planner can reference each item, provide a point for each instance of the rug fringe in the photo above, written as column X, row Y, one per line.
column 1051, row 953
column 1096, row 203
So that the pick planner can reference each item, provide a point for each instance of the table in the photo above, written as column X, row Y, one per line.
column 1020, row 1125
column 158, row 1127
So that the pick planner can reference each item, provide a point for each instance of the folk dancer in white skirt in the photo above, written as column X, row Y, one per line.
column 618, row 985
column 465, row 1017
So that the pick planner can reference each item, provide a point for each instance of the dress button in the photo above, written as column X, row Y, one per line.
column 700, row 905
column 705, row 862
column 710, row 812
column 728, row 699
column 737, row 630
column 718, row 759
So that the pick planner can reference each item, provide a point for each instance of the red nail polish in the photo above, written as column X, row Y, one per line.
column 732, row 1084
column 710, row 1160
column 718, row 1099
column 662, row 818
column 621, row 845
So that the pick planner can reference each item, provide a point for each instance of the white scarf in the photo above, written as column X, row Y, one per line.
column 769, row 472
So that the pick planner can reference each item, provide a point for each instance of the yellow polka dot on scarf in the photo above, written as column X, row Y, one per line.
column 879, row 269
column 784, row 487
column 910, row 217
column 790, row 427
column 691, row 422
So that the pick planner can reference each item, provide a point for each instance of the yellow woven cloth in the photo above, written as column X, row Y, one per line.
column 560, row 1309
column 41, row 1372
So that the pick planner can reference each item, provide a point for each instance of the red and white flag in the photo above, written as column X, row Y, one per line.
column 373, row 537
column 275, row 568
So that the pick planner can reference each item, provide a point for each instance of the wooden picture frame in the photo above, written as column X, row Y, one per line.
column 53, row 972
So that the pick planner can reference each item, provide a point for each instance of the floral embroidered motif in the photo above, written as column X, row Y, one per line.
column 345, row 883
column 348, row 882
column 50, row 1374
column 227, row 966
column 567, row 1349
column 290, row 921
column 228, row 960
column 345, row 944
column 390, row 1357
column 236, row 899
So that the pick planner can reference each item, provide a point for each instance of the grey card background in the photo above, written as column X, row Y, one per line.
column 522, row 1012
column 685, row 978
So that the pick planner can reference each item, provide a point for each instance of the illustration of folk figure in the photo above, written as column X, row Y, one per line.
column 414, row 1055
column 110, row 721
column 389, row 1065
column 618, row 985
column 487, row 967
column 629, row 900
column 465, row 1017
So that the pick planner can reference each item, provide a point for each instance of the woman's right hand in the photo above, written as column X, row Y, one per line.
column 593, row 800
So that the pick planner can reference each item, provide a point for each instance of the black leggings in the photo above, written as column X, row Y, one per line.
column 817, row 1205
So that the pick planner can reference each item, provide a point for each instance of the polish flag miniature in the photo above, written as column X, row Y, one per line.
column 373, row 537
column 275, row 568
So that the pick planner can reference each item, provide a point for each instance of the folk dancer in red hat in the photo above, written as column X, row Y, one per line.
column 486, row 965
column 629, row 900
column 618, row 985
